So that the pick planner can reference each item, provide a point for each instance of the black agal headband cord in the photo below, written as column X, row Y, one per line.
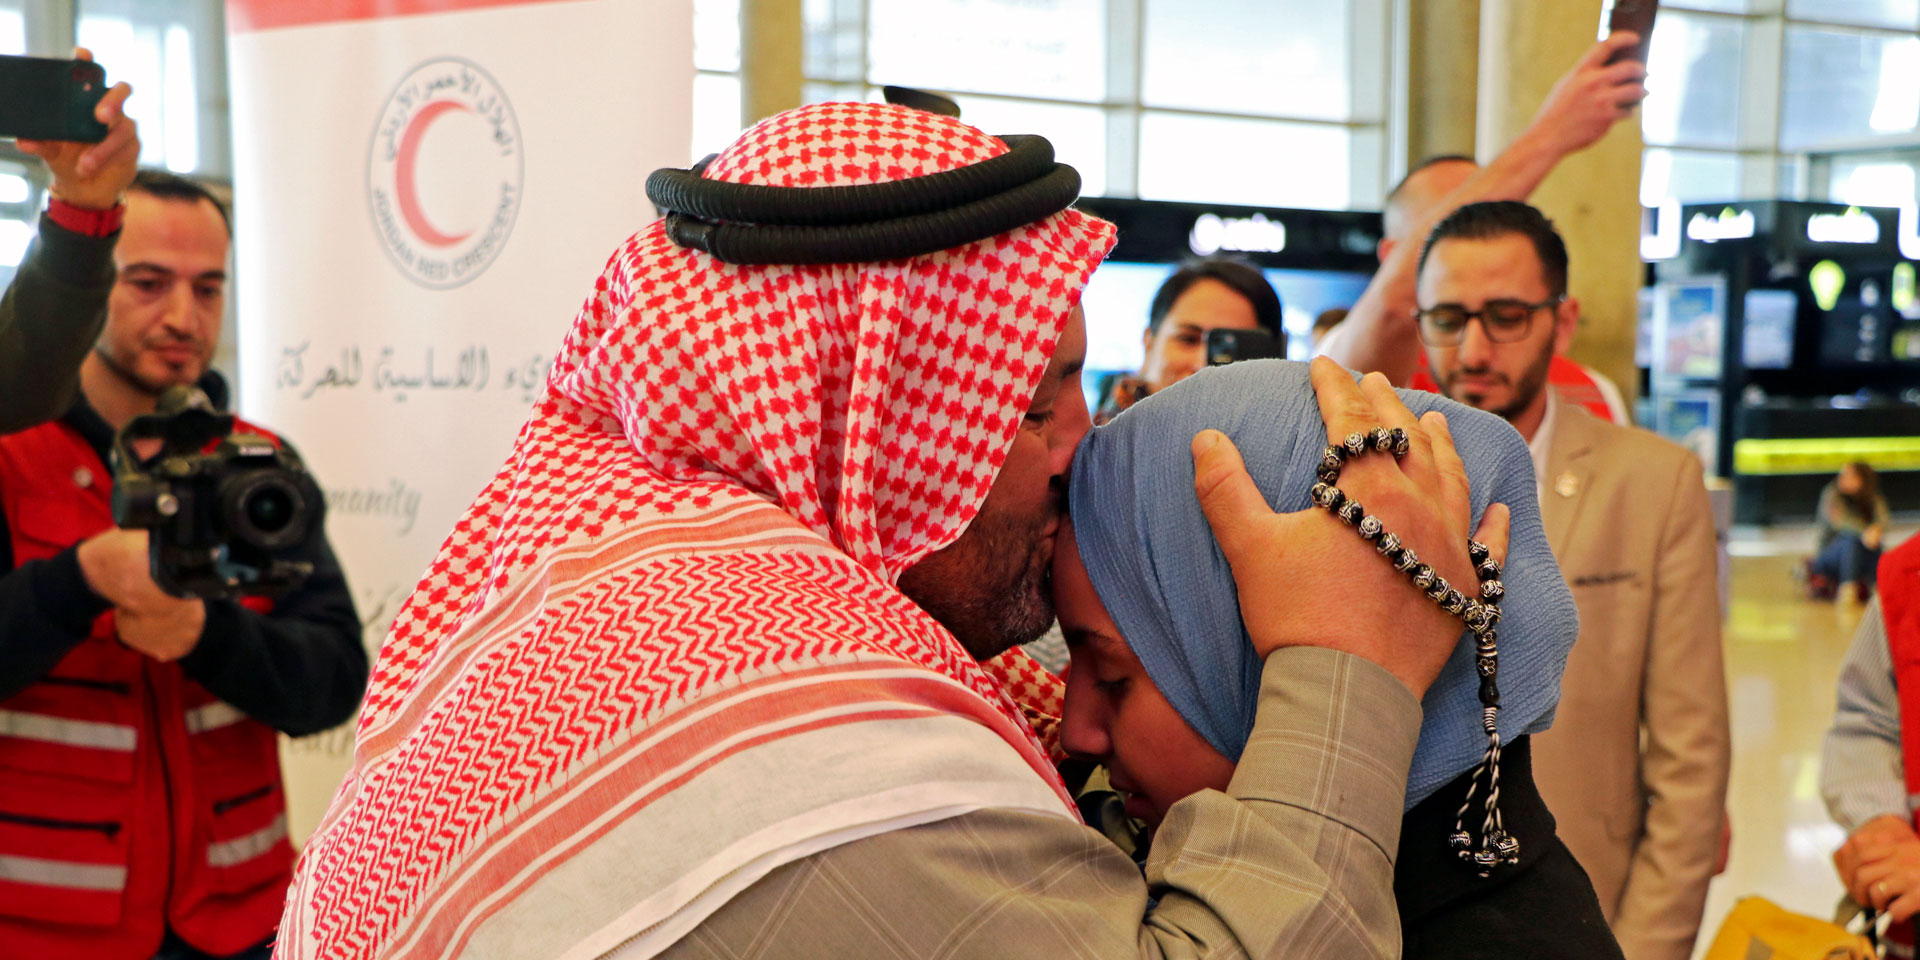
column 754, row 224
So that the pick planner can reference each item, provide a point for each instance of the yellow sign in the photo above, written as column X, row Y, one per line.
column 1824, row 455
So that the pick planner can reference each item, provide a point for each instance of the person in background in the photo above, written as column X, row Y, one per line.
column 1425, row 189
column 1215, row 293
column 1870, row 761
column 141, row 808
column 1853, row 519
column 1325, row 322
column 1381, row 333
column 1636, row 765
column 57, row 302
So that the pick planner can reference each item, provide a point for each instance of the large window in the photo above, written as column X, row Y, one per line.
column 1814, row 99
column 1231, row 101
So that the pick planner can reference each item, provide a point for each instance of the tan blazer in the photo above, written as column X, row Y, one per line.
column 1635, row 767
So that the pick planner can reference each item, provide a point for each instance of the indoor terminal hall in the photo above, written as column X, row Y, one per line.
column 960, row 479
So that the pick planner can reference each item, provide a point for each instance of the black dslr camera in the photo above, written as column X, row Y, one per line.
column 221, row 509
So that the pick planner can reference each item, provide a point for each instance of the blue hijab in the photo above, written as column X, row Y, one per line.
column 1156, row 567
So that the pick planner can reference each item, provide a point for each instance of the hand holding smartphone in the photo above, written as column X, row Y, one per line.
column 87, row 141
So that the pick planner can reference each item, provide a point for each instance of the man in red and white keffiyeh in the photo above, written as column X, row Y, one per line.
column 722, row 662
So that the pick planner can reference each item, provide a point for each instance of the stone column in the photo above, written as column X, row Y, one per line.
column 1443, row 78
column 772, row 45
column 1594, row 196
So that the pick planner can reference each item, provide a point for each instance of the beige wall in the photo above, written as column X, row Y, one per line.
column 772, row 44
column 1443, row 47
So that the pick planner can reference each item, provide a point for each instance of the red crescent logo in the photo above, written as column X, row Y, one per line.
column 404, row 188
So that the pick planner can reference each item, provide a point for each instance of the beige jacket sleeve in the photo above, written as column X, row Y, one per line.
column 1294, row 860
column 1685, row 761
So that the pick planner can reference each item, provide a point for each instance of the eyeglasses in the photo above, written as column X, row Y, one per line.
column 1505, row 321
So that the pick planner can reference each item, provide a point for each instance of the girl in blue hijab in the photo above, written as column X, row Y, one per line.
column 1164, row 681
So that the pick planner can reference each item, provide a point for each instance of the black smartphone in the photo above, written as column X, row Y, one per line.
column 43, row 99
column 1634, row 15
column 1228, row 346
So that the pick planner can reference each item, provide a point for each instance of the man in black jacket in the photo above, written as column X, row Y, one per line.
column 57, row 301
column 140, row 800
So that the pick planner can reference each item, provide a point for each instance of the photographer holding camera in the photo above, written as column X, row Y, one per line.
column 141, row 808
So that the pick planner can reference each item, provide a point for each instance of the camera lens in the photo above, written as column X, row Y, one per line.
column 265, row 509
column 269, row 509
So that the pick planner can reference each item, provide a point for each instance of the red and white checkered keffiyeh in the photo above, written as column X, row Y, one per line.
column 663, row 652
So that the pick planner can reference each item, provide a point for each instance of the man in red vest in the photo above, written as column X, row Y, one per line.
column 141, row 809
column 1870, row 765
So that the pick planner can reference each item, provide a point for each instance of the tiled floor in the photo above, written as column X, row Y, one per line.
column 1783, row 656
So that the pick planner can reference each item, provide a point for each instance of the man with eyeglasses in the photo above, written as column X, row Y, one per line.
column 1635, row 767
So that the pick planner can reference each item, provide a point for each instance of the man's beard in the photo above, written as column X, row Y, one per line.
column 1532, row 381
column 992, row 588
column 127, row 374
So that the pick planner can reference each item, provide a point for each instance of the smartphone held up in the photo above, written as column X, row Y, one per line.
column 1634, row 16
column 47, row 99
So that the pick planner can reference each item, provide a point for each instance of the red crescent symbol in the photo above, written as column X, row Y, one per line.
column 404, row 187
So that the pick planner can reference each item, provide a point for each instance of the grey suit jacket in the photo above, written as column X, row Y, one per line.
column 1635, row 767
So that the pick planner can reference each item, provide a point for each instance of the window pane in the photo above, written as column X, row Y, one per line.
column 1078, row 134
column 1688, row 176
column 1873, row 183
column 155, row 45
column 1693, row 81
column 1844, row 87
column 13, row 28
column 1053, row 49
column 1253, row 162
column 716, row 35
column 1894, row 14
column 1279, row 57
column 716, row 112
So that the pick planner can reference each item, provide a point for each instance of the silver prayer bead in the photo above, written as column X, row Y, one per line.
column 1351, row 512
column 1453, row 602
column 1438, row 591
column 1380, row 439
column 1423, row 577
column 1401, row 442
column 1388, row 544
column 1322, row 494
column 1475, row 616
column 1356, row 444
column 1477, row 551
column 1488, row 569
column 1507, row 846
column 1407, row 561
column 1492, row 590
column 1371, row 528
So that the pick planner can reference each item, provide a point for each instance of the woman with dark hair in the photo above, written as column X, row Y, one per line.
column 1163, row 681
column 1853, row 519
column 1214, row 293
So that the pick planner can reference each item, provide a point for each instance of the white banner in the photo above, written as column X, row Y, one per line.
column 425, row 191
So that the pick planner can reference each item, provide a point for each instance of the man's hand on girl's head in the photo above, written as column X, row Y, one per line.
column 1306, row 579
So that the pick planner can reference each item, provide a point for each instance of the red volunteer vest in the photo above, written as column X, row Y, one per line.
column 132, row 800
column 1899, row 584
